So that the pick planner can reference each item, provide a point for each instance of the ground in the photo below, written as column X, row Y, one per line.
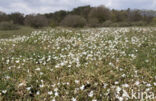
column 62, row 64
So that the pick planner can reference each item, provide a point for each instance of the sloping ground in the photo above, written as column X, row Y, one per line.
column 4, row 34
column 79, row 65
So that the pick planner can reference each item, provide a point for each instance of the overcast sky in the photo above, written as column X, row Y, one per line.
column 45, row 6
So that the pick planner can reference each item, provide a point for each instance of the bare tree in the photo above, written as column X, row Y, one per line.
column 36, row 21
column 101, row 13
column 73, row 21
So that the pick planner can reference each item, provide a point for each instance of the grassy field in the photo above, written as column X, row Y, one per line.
column 22, row 31
column 102, row 64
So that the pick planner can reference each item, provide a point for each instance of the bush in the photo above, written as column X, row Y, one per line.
column 101, row 13
column 115, row 25
column 36, row 21
column 8, row 26
column 140, row 23
column 124, row 24
column 53, row 24
column 107, row 23
column 154, row 21
column 73, row 21
column 17, row 18
column 93, row 22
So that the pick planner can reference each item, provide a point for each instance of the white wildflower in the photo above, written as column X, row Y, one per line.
column 41, row 86
column 123, row 75
column 37, row 69
column 56, row 89
column 28, row 88
column 4, row 91
column 118, row 89
column 116, row 82
column 7, row 77
column 56, row 94
column 53, row 99
column 137, row 83
column 21, row 84
column 73, row 99
column 50, row 93
column 17, row 61
column 38, row 93
column 82, row 87
column 91, row 94
column 41, row 73
column 125, row 85
column 154, row 83
column 125, row 94
column 148, row 85
column 105, row 85
column 76, row 81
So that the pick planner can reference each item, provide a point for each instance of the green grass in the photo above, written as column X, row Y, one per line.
column 81, row 64
column 22, row 31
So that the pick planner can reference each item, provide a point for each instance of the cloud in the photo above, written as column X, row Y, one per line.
column 45, row 6
column 20, row 7
column 134, row 4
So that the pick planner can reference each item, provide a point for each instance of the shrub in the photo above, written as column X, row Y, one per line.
column 138, row 23
column 93, row 22
column 3, row 17
column 53, row 24
column 154, row 21
column 114, row 25
column 36, row 21
column 101, row 13
column 73, row 21
column 107, row 23
column 8, row 26
column 17, row 18
column 124, row 24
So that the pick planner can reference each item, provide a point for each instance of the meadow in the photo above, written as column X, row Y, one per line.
column 88, row 64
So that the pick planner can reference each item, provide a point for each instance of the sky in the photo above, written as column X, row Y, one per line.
column 46, row 6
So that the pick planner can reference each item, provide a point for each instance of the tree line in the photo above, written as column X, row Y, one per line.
column 88, row 16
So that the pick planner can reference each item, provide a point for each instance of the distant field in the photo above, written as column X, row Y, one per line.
column 23, row 31
column 101, row 64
